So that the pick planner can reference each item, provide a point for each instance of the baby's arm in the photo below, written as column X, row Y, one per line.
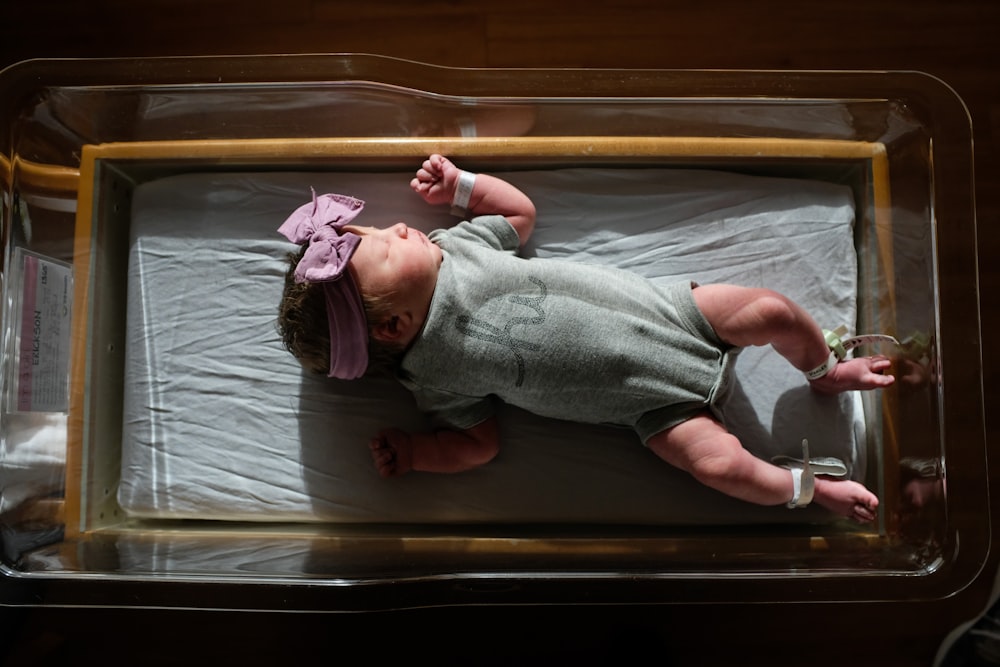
column 396, row 452
column 437, row 180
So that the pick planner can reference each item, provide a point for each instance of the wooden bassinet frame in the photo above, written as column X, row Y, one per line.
column 108, row 169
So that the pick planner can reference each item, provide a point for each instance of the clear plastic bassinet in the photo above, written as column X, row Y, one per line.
column 84, row 139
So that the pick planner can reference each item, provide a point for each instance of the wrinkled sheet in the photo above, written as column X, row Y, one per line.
column 221, row 423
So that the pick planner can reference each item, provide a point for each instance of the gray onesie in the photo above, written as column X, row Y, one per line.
column 560, row 339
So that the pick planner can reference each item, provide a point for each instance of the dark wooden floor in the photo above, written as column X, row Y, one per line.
column 957, row 41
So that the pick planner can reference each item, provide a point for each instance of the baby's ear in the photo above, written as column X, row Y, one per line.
column 392, row 329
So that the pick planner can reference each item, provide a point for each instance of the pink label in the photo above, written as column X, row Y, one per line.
column 44, row 335
column 30, row 333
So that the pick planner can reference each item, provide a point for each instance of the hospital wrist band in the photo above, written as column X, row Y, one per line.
column 463, row 193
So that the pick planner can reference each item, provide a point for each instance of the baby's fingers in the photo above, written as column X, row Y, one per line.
column 383, row 455
column 432, row 168
column 426, row 177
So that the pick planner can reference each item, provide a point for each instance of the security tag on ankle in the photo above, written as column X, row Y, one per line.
column 840, row 343
column 803, row 481
column 823, row 368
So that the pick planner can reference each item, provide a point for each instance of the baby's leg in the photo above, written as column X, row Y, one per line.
column 704, row 448
column 715, row 457
column 745, row 316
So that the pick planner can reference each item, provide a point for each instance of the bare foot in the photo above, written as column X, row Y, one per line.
column 846, row 498
column 859, row 373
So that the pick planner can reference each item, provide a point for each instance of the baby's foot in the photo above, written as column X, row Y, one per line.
column 846, row 498
column 859, row 373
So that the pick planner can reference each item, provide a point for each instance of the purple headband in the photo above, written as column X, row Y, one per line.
column 320, row 224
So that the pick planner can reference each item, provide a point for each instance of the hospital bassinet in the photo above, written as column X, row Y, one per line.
column 155, row 434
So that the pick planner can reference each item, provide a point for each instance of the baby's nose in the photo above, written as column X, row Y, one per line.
column 400, row 229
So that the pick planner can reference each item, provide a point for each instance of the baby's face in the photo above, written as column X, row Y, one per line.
column 395, row 262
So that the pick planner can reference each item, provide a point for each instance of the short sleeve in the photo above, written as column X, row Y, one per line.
column 491, row 231
column 453, row 410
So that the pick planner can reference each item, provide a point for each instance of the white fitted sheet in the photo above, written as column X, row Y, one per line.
column 221, row 423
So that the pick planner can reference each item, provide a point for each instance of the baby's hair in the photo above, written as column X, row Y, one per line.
column 305, row 331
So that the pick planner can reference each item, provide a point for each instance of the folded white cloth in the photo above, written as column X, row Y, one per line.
column 32, row 457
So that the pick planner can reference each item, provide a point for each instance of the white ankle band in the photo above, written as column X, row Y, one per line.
column 803, row 480
column 823, row 368
column 803, row 485
column 840, row 344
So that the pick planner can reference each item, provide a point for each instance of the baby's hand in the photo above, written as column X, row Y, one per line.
column 436, row 180
column 392, row 451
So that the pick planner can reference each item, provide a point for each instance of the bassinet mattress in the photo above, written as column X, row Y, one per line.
column 221, row 423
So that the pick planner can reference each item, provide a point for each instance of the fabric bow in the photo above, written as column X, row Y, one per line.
column 320, row 224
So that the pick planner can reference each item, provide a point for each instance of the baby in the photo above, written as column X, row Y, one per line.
column 463, row 321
